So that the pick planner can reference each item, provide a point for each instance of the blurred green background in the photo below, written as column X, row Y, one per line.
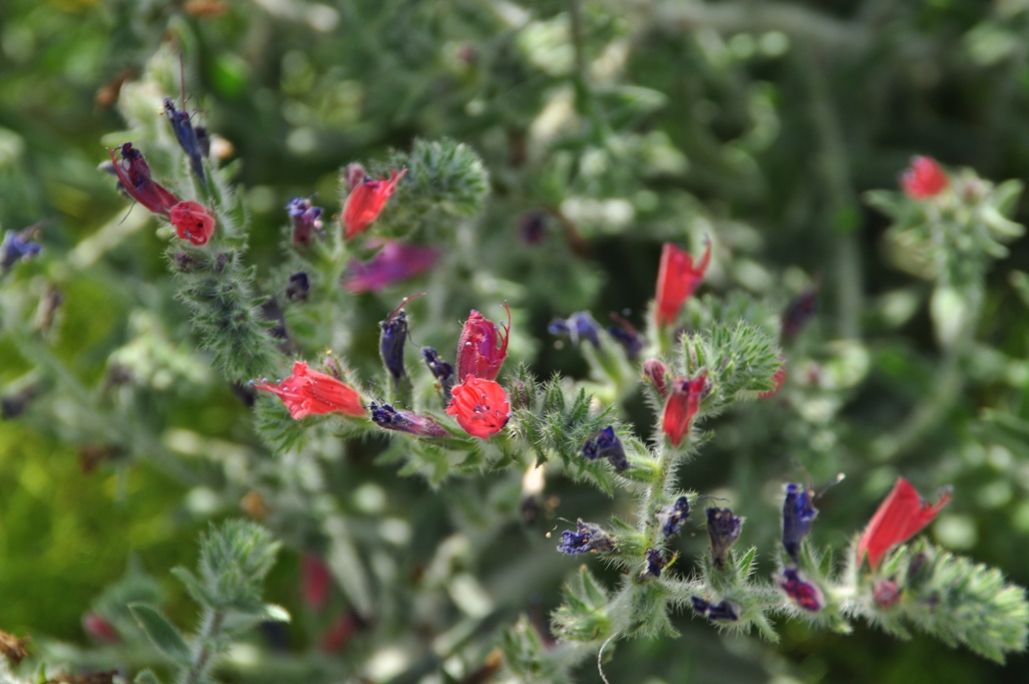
column 764, row 121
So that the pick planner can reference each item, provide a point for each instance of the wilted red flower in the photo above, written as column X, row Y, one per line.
column 901, row 516
column 192, row 222
column 396, row 261
column 683, row 403
column 677, row 278
column 480, row 407
column 307, row 391
column 134, row 174
column 315, row 581
column 366, row 199
column 780, row 380
column 99, row 628
column 924, row 178
column 481, row 350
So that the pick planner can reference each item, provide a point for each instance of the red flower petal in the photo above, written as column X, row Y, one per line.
column 366, row 200
column 677, row 278
column 924, row 178
column 192, row 222
column 683, row 403
column 480, row 407
column 902, row 515
column 309, row 392
column 482, row 348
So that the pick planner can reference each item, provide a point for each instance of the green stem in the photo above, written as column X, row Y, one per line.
column 213, row 620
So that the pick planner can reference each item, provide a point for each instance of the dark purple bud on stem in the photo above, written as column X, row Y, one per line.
column 724, row 529
column 533, row 227
column 298, row 287
column 441, row 370
column 724, row 611
column 805, row 594
column 187, row 137
column 588, row 538
column 674, row 516
column 605, row 444
column 886, row 593
column 626, row 335
column 656, row 373
column 797, row 516
column 385, row 416
column 306, row 221
column 799, row 313
column 393, row 339
column 655, row 562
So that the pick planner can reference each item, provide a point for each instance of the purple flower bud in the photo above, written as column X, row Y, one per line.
column 392, row 340
column 605, row 444
column 204, row 140
column 655, row 562
column 385, row 416
column 299, row 287
column 799, row 313
column 674, row 516
column 724, row 529
column 587, row 538
column 578, row 326
column 724, row 611
column 626, row 335
column 533, row 227
column 18, row 246
column 441, row 370
column 187, row 137
column 305, row 219
column 886, row 593
column 797, row 516
column 395, row 262
column 806, row 594
column 656, row 373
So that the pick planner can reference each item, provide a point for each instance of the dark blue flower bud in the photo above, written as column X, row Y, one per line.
column 18, row 246
column 626, row 335
column 187, row 137
column 391, row 344
column 305, row 219
column 578, row 326
column 798, row 313
column 299, row 287
column 724, row 529
column 797, row 515
column 204, row 139
column 385, row 416
column 533, row 227
column 672, row 517
column 605, row 444
column 805, row 594
column 655, row 562
column 441, row 370
column 587, row 538
column 725, row 611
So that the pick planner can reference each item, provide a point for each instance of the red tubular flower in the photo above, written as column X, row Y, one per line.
column 481, row 350
column 683, row 403
column 395, row 262
column 780, row 380
column 98, row 627
column 366, row 200
column 901, row 516
column 480, row 407
column 134, row 174
column 309, row 392
column 677, row 278
column 192, row 222
column 924, row 178
column 315, row 582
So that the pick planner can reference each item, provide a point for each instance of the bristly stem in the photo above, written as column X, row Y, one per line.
column 213, row 620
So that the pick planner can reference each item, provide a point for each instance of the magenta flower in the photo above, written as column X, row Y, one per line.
column 396, row 261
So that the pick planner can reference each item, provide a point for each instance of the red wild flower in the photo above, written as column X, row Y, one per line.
column 656, row 373
column 366, row 199
column 677, row 278
column 341, row 632
column 780, row 380
column 309, row 392
column 134, row 174
column 98, row 627
column 683, row 403
column 192, row 222
column 924, row 178
column 901, row 516
column 315, row 581
column 480, row 407
column 481, row 350
column 396, row 261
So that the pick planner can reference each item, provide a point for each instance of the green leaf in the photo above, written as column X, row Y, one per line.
column 164, row 634
column 146, row 677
